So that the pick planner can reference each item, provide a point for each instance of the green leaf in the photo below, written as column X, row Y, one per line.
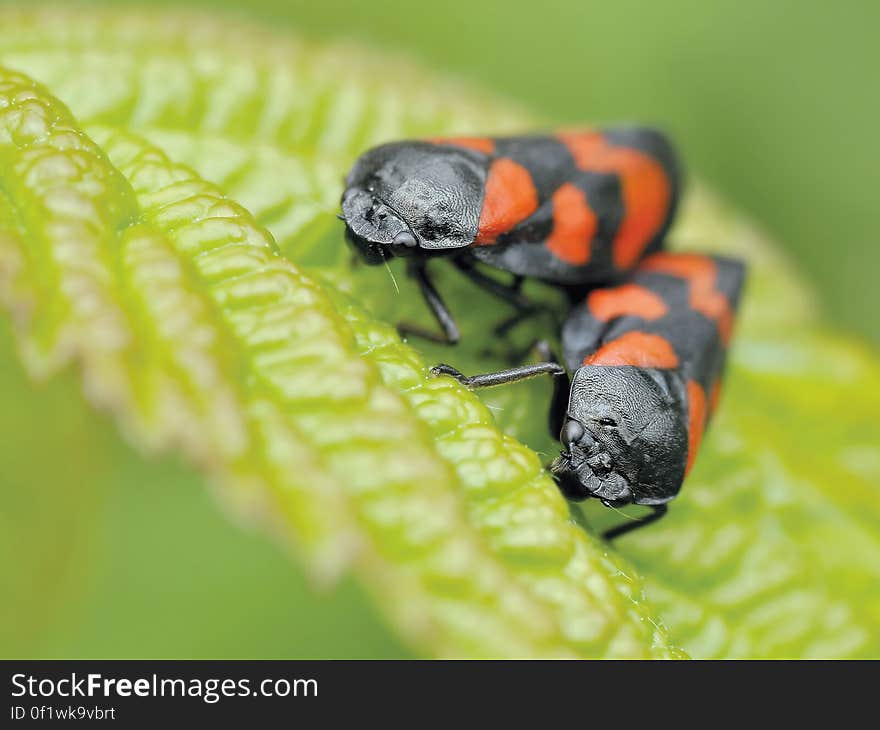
column 284, row 386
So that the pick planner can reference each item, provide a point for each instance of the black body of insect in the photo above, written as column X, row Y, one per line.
column 570, row 209
column 646, row 359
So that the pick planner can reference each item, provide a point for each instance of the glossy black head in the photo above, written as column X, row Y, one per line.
column 407, row 198
column 626, row 438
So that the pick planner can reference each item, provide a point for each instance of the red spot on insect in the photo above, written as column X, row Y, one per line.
column 639, row 349
column 696, row 420
column 479, row 144
column 624, row 300
column 574, row 225
column 644, row 186
column 701, row 274
column 510, row 199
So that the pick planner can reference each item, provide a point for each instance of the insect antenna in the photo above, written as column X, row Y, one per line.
column 391, row 274
column 623, row 514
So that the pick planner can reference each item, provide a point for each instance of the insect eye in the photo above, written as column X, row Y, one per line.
column 405, row 238
column 371, row 182
column 610, row 422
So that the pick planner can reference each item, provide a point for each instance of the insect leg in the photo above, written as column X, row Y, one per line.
column 509, row 293
column 548, row 366
column 500, row 377
column 450, row 334
column 615, row 532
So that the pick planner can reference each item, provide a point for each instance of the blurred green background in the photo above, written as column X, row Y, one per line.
column 773, row 101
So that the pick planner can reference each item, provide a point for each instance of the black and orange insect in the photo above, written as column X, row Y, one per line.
column 571, row 209
column 646, row 359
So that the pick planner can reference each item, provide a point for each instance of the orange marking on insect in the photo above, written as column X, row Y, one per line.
column 574, row 225
column 478, row 144
column 627, row 299
column 644, row 185
column 639, row 349
column 701, row 274
column 510, row 198
column 696, row 420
